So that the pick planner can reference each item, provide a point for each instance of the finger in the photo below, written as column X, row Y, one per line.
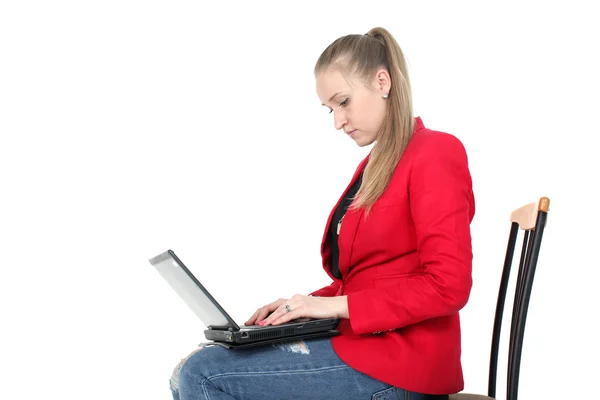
column 253, row 318
column 264, row 313
column 259, row 315
column 277, row 303
column 270, row 318
column 281, row 312
column 287, row 317
column 269, row 309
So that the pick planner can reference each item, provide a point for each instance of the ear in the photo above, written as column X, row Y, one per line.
column 383, row 81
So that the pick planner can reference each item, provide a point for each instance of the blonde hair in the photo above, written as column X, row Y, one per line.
column 363, row 55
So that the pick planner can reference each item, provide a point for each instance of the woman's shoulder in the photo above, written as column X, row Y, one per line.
column 430, row 151
column 426, row 141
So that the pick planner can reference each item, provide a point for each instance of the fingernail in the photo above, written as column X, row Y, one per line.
column 261, row 323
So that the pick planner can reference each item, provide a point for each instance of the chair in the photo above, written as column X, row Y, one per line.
column 531, row 219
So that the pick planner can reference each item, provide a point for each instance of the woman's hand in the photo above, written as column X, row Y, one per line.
column 300, row 306
column 263, row 312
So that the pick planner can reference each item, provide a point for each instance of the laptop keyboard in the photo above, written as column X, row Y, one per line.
column 289, row 322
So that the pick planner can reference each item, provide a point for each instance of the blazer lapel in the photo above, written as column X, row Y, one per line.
column 346, row 238
column 350, row 224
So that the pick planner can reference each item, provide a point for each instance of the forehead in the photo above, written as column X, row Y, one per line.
column 331, row 82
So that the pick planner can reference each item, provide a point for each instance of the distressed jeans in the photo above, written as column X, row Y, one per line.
column 294, row 370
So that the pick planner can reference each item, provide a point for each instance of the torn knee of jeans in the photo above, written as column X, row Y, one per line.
column 299, row 347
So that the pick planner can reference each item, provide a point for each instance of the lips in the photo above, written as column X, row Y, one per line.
column 350, row 133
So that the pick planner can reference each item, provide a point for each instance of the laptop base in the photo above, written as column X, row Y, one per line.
column 260, row 334
column 315, row 335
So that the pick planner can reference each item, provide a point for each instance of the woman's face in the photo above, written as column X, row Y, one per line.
column 358, row 108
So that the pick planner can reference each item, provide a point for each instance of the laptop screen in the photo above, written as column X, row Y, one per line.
column 191, row 291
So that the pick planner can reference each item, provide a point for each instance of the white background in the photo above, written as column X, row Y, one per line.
column 131, row 127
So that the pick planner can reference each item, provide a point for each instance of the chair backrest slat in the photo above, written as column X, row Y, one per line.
column 521, row 219
column 527, row 284
column 510, row 249
column 518, row 296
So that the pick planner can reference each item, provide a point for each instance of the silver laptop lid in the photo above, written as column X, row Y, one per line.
column 191, row 291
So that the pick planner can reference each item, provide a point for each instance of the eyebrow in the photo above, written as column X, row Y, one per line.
column 331, row 98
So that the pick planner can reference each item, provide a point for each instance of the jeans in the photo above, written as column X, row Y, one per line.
column 294, row 370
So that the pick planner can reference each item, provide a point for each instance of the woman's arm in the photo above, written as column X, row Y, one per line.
column 442, row 207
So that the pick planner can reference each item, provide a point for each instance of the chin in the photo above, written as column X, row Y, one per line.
column 362, row 142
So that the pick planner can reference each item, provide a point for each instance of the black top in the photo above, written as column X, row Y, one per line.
column 333, row 228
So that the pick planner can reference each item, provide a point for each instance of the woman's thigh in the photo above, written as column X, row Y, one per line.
column 295, row 370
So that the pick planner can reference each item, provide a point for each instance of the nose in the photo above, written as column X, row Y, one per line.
column 339, row 119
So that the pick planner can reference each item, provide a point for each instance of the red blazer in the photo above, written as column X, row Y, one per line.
column 406, row 269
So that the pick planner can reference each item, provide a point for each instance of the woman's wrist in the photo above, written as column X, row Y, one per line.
column 340, row 305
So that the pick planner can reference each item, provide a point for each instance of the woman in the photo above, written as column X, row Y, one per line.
column 397, row 247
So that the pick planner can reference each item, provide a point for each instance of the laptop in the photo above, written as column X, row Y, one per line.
column 220, row 326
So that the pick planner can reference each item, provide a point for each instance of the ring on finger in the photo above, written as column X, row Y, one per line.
column 287, row 308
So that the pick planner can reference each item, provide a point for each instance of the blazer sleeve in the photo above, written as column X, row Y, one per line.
column 442, row 207
column 328, row 291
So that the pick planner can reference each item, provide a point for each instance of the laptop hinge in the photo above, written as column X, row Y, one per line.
column 221, row 328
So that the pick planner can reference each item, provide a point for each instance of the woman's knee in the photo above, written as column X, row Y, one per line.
column 174, row 380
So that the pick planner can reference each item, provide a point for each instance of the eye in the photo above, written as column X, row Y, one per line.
column 344, row 103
